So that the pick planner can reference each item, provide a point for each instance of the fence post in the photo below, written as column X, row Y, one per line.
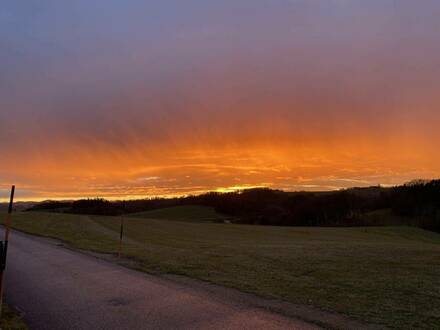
column 4, row 247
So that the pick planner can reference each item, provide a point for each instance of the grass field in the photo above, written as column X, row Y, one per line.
column 384, row 275
column 189, row 213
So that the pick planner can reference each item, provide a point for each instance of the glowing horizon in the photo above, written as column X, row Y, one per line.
column 137, row 99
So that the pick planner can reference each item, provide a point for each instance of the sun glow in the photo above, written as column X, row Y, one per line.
column 237, row 188
column 132, row 173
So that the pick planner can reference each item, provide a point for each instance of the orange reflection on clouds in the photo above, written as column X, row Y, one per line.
column 139, row 172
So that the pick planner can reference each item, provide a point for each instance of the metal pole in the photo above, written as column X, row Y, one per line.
column 4, row 247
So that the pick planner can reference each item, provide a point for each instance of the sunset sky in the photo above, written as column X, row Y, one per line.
column 138, row 98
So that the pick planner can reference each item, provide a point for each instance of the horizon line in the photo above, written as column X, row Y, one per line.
column 197, row 193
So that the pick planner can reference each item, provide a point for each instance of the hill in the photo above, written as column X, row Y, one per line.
column 187, row 213
column 416, row 203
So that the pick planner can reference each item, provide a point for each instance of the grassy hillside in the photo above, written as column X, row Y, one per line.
column 385, row 275
column 189, row 213
column 18, row 206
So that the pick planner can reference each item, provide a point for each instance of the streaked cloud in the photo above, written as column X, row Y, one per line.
column 134, row 98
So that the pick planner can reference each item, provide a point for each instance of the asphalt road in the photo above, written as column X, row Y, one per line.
column 58, row 288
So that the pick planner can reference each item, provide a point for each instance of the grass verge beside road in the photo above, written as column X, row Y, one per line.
column 384, row 275
column 11, row 319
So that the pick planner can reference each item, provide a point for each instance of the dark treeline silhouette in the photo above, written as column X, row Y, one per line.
column 100, row 206
column 51, row 206
column 417, row 203
column 419, row 199
column 274, row 207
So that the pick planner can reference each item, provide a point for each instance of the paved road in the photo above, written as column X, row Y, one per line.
column 61, row 289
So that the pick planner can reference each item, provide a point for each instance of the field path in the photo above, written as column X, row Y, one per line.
column 97, row 227
column 57, row 288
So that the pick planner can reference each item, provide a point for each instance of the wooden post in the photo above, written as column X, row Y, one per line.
column 4, row 247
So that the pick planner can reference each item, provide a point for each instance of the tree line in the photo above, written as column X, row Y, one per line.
column 417, row 203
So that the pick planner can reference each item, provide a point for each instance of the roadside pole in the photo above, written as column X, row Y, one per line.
column 4, row 247
column 121, row 232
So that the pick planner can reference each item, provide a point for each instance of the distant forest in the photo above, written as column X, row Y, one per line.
column 416, row 203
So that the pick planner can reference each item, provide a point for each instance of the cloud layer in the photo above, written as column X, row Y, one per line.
column 135, row 98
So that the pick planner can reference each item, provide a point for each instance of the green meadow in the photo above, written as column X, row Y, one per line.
column 383, row 275
column 189, row 213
